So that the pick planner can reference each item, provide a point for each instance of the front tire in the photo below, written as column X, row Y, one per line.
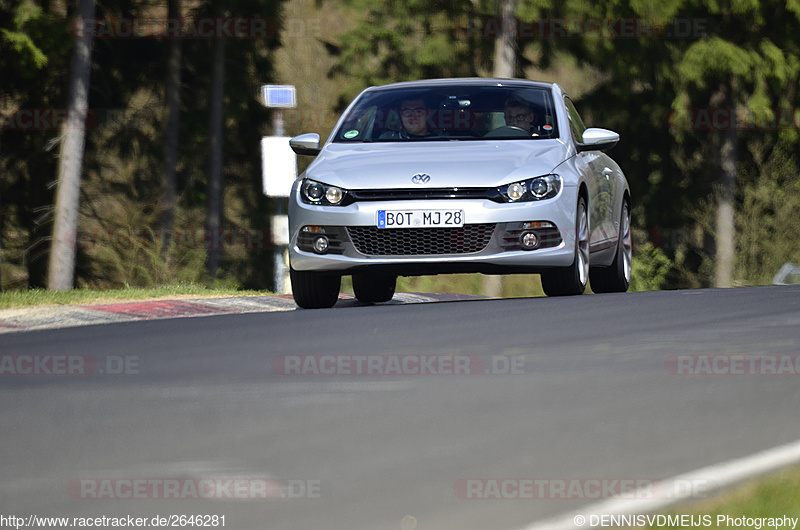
column 617, row 277
column 572, row 280
column 314, row 290
column 373, row 289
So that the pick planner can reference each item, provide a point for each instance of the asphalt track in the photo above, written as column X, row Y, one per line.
column 597, row 396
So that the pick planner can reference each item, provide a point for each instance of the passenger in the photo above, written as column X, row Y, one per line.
column 519, row 113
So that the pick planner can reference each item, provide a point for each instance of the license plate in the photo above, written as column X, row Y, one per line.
column 420, row 218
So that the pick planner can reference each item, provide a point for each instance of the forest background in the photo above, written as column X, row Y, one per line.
column 703, row 93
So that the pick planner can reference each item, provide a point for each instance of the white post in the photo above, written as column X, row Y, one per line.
column 279, row 171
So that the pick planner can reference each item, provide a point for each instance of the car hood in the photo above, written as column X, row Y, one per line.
column 479, row 163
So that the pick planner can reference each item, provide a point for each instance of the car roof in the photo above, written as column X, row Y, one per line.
column 464, row 81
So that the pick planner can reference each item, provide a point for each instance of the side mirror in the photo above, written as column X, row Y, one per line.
column 305, row 144
column 595, row 139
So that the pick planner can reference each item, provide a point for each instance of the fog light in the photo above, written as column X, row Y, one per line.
column 321, row 245
column 528, row 240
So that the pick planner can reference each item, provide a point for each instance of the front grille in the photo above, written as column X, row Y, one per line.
column 373, row 241
column 426, row 194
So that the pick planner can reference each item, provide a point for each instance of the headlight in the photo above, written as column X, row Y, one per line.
column 516, row 191
column 334, row 195
column 313, row 192
column 535, row 189
column 540, row 188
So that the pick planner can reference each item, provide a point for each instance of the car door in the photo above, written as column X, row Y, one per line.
column 598, row 181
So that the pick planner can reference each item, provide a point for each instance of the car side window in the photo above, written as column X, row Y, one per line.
column 575, row 121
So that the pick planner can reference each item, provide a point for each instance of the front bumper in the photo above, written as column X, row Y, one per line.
column 488, row 243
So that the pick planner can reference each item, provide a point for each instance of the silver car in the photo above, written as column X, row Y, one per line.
column 494, row 176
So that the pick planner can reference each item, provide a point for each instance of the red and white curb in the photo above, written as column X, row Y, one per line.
column 50, row 317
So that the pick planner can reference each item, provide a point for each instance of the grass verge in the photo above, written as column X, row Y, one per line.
column 774, row 496
column 512, row 286
column 33, row 297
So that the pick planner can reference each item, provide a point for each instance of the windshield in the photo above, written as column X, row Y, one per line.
column 450, row 113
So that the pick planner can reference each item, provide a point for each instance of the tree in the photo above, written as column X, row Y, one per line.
column 34, row 42
column 171, row 137
column 215, row 176
column 125, row 148
column 27, row 50
column 62, row 253
column 738, row 59
column 505, row 51
column 402, row 41
column 19, row 38
column 745, row 74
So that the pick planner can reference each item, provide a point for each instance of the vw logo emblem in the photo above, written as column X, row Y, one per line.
column 421, row 178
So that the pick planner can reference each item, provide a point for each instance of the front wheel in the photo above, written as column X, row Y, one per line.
column 314, row 290
column 617, row 277
column 371, row 289
column 572, row 280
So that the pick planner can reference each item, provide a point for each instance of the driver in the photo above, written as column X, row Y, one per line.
column 519, row 113
column 414, row 115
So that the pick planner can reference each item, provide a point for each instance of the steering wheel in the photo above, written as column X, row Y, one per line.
column 466, row 133
column 508, row 130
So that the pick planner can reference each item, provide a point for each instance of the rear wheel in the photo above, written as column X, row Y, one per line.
column 314, row 290
column 572, row 280
column 617, row 277
column 371, row 289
